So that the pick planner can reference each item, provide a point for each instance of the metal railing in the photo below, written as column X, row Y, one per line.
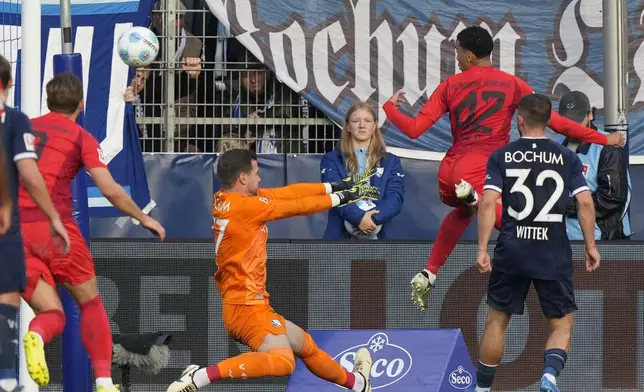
column 204, row 93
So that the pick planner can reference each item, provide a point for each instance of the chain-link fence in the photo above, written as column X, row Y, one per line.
column 206, row 93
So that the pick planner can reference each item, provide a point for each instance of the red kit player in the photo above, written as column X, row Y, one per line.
column 64, row 148
column 481, row 102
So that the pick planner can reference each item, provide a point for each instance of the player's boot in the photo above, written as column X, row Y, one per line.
column 362, row 365
column 35, row 355
column 185, row 383
column 114, row 388
column 547, row 385
column 466, row 193
column 420, row 288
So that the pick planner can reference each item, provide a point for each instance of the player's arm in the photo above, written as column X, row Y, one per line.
column 562, row 125
column 487, row 207
column 5, row 195
column 431, row 112
column 262, row 209
column 25, row 157
column 112, row 190
column 296, row 191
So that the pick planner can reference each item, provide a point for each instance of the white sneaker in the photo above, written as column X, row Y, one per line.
column 466, row 193
column 186, row 382
column 362, row 366
column 420, row 288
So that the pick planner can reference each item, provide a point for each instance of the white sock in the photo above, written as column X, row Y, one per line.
column 432, row 277
column 481, row 389
column 201, row 378
column 105, row 382
column 359, row 384
column 9, row 384
column 550, row 377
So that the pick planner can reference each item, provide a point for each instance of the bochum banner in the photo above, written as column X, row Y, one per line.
column 335, row 52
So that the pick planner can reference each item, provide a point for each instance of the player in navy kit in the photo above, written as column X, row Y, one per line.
column 534, row 177
column 20, row 159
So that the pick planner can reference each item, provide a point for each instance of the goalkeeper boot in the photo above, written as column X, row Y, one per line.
column 185, row 383
column 35, row 355
column 362, row 366
column 547, row 385
column 421, row 285
column 466, row 193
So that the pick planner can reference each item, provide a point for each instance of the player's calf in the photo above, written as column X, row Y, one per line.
column 556, row 353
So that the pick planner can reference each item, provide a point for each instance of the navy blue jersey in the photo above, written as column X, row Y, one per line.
column 19, row 143
column 535, row 177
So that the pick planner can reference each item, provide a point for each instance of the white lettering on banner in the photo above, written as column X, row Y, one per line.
column 321, row 73
column 394, row 46
column 570, row 42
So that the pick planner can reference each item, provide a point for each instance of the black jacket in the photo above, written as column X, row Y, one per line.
column 611, row 194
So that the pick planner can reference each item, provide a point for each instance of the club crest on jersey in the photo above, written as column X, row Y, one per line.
column 276, row 324
column 30, row 142
column 585, row 170
column 380, row 171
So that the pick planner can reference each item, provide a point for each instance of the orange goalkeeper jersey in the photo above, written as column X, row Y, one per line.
column 240, row 235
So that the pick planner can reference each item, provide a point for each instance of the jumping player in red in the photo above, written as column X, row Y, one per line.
column 64, row 148
column 481, row 102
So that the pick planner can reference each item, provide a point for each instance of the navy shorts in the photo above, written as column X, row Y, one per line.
column 13, row 277
column 507, row 293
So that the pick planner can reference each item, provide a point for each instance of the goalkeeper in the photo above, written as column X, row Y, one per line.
column 240, row 213
column 362, row 151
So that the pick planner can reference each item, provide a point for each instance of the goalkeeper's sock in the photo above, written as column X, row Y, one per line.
column 449, row 233
column 322, row 365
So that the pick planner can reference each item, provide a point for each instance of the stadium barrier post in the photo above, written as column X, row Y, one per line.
column 77, row 369
column 30, row 105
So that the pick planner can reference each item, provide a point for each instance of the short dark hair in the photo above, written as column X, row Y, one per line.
column 232, row 163
column 535, row 110
column 5, row 72
column 477, row 40
column 64, row 93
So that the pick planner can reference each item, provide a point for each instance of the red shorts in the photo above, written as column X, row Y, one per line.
column 470, row 167
column 44, row 259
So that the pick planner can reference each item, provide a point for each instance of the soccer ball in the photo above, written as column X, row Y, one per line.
column 138, row 47
column 356, row 233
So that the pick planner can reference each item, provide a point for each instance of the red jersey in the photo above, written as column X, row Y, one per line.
column 481, row 103
column 63, row 148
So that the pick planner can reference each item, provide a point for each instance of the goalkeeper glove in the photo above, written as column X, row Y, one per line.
column 357, row 193
column 351, row 181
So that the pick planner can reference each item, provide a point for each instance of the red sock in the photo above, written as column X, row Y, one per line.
column 451, row 230
column 48, row 324
column 499, row 216
column 97, row 336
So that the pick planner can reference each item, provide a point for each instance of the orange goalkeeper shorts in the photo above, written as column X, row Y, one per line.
column 249, row 324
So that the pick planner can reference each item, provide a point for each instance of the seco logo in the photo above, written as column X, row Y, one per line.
column 390, row 362
column 460, row 378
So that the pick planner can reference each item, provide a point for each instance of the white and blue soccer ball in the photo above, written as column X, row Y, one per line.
column 138, row 47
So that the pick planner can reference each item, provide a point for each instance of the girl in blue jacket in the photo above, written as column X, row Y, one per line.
column 362, row 148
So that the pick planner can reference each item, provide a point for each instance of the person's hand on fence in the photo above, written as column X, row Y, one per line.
column 192, row 66
column 129, row 95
